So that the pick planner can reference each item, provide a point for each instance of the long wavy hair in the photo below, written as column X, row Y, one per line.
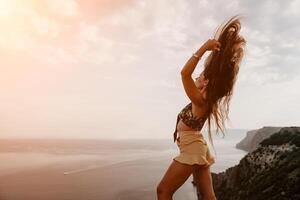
column 221, row 69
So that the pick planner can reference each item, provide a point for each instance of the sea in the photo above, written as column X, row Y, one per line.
column 44, row 169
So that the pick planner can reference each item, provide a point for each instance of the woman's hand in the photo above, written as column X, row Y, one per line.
column 212, row 45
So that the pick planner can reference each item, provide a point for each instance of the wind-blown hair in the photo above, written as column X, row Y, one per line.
column 221, row 69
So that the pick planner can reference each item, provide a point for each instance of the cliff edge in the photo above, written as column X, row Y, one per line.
column 271, row 171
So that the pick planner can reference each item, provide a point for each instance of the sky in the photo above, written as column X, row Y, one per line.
column 111, row 69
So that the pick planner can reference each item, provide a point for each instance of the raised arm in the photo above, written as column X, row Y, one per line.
column 193, row 93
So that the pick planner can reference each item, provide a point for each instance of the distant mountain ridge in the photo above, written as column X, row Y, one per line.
column 254, row 137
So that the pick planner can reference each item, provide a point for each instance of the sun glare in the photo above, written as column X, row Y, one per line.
column 7, row 8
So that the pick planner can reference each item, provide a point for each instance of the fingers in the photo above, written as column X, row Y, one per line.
column 217, row 46
column 213, row 44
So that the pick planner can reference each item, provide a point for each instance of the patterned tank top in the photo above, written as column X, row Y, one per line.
column 188, row 119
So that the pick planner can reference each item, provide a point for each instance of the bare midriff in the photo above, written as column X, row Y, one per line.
column 182, row 127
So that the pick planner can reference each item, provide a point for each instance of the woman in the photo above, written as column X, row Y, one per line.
column 210, row 95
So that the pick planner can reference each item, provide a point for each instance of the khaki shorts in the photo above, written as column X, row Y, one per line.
column 193, row 149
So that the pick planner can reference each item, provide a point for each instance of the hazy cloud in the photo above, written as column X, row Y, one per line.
column 75, row 68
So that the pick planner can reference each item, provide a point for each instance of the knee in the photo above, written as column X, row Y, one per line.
column 161, row 190
column 212, row 197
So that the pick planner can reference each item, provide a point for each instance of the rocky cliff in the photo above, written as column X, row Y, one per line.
column 270, row 172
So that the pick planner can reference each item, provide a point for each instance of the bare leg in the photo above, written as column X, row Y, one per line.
column 174, row 177
column 204, row 182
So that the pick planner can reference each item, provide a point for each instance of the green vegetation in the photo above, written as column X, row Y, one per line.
column 282, row 137
column 278, row 181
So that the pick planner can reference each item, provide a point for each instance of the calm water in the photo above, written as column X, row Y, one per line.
column 98, row 169
column 115, row 151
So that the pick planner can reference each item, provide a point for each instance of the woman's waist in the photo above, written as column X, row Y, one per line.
column 182, row 126
column 186, row 137
column 189, row 132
